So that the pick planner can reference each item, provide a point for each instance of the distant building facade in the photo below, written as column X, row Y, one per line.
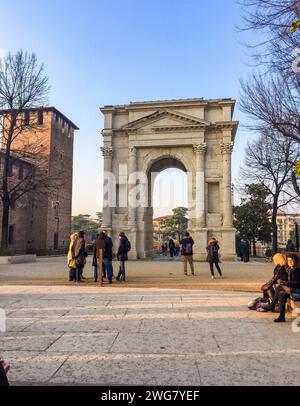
column 286, row 226
column 41, row 223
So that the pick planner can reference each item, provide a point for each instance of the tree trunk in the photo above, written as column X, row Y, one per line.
column 5, row 186
column 5, row 225
column 274, row 227
column 254, row 247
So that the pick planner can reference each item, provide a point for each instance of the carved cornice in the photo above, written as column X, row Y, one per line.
column 107, row 152
column 200, row 148
column 226, row 124
column 226, row 147
column 180, row 128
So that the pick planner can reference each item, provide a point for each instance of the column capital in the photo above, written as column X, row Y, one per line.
column 107, row 132
column 226, row 147
column 107, row 152
column 200, row 148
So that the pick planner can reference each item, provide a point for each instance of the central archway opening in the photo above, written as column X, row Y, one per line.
column 167, row 215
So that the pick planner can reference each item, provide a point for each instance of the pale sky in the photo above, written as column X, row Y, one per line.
column 103, row 52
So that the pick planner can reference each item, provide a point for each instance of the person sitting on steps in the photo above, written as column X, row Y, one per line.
column 286, row 287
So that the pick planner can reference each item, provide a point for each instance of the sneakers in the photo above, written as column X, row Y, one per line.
column 212, row 277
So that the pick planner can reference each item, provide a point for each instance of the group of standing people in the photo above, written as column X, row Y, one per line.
column 244, row 250
column 174, row 248
column 102, row 256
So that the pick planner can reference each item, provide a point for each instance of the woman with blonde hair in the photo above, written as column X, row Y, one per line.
column 70, row 261
column 279, row 274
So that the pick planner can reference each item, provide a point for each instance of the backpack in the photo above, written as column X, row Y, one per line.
column 127, row 245
column 188, row 248
column 214, row 250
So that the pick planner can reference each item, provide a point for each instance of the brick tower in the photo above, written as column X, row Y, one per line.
column 42, row 222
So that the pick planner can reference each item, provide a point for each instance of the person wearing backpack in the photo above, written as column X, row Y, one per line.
column 122, row 255
column 187, row 253
column 213, row 257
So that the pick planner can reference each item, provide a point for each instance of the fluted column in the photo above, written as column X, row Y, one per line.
column 107, row 153
column 132, row 210
column 226, row 150
column 200, row 151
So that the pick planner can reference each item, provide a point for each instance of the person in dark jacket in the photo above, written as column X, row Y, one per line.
column 4, row 368
column 213, row 257
column 110, row 242
column 279, row 275
column 187, row 253
column 171, row 247
column 95, row 264
column 286, row 288
column 105, row 244
column 122, row 255
column 290, row 247
column 78, row 251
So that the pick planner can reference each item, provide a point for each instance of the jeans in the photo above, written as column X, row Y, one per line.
column 79, row 272
column 95, row 268
column 108, row 268
column 121, row 274
column 295, row 294
column 72, row 275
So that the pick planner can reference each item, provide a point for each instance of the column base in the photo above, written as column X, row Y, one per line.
column 227, row 244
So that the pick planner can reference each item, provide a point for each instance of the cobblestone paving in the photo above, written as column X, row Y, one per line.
column 134, row 336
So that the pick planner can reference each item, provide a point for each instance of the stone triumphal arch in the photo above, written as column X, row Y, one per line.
column 141, row 139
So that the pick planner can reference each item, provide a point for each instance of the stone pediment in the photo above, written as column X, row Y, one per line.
column 166, row 120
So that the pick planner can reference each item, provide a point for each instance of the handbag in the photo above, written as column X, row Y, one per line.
column 266, row 286
column 72, row 264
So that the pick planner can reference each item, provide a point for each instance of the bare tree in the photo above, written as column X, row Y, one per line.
column 271, row 103
column 273, row 18
column 23, row 86
column 269, row 162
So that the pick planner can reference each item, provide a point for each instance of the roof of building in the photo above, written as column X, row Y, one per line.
column 50, row 108
column 171, row 101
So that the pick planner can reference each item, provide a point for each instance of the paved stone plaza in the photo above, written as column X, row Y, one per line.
column 82, row 334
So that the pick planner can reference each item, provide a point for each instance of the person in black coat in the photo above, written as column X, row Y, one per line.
column 79, row 254
column 213, row 257
column 4, row 368
column 279, row 274
column 172, row 247
column 287, row 282
column 122, row 255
